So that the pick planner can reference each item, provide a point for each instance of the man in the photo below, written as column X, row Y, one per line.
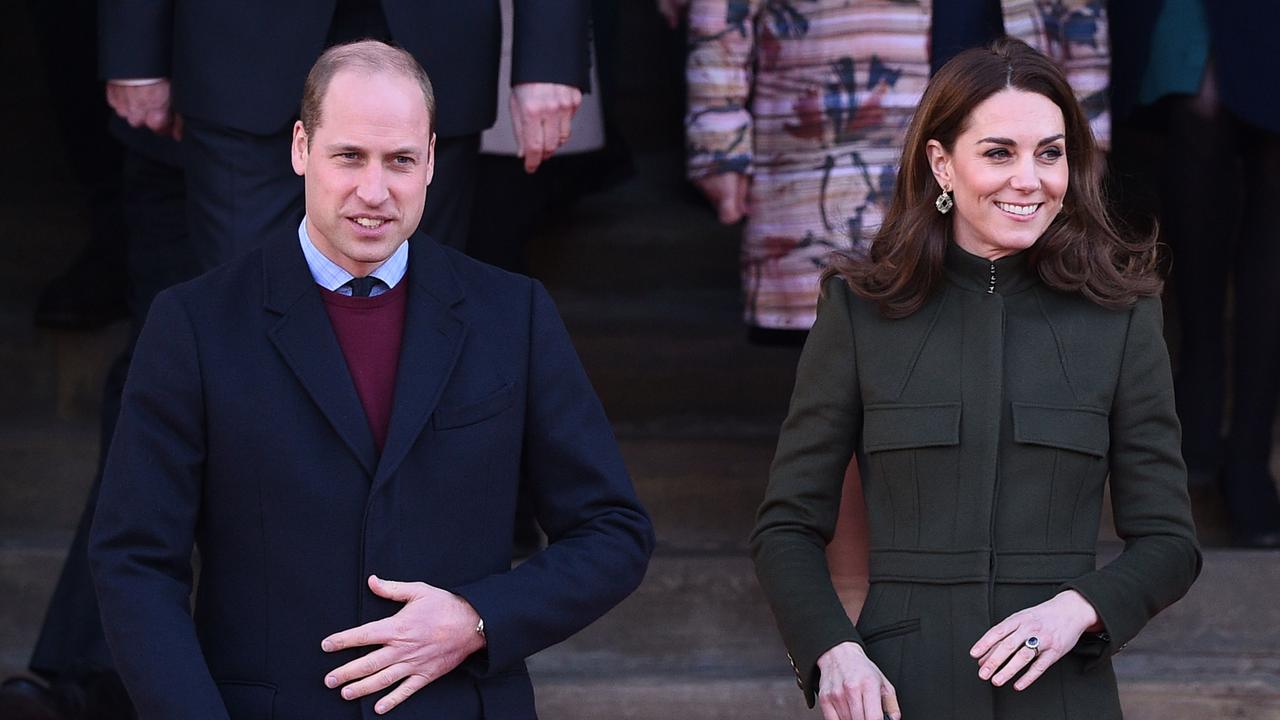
column 346, row 457
column 235, row 70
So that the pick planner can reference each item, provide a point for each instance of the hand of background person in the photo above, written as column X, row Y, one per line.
column 145, row 105
column 541, row 114
column 428, row 637
column 673, row 10
column 728, row 193
column 1058, row 623
column 851, row 687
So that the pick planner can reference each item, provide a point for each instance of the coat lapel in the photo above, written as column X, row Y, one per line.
column 305, row 339
column 432, row 341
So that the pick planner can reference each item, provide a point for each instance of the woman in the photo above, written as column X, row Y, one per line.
column 996, row 355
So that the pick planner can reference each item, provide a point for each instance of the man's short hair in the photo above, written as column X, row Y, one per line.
column 368, row 56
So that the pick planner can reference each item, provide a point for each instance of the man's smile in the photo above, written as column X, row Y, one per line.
column 369, row 222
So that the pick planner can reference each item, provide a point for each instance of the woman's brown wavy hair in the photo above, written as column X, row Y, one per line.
column 1081, row 251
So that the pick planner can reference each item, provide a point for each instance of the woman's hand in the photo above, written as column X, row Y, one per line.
column 1056, row 623
column 851, row 687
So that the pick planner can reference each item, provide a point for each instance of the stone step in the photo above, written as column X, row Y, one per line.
column 1209, row 689
column 696, row 614
column 49, row 467
column 649, row 232
column 28, row 571
column 701, row 494
column 48, row 372
column 678, row 363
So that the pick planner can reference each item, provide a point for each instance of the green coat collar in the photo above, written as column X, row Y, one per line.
column 1006, row 276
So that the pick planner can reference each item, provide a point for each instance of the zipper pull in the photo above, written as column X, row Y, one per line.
column 991, row 288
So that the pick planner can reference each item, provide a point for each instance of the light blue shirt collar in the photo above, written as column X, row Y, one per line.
column 330, row 276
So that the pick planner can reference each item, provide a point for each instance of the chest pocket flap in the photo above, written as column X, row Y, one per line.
column 470, row 413
column 1082, row 429
column 899, row 426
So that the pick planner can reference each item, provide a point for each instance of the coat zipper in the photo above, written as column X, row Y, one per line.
column 995, row 486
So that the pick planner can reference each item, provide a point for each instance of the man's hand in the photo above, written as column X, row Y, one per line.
column 1056, row 623
column 145, row 105
column 728, row 192
column 541, row 114
column 431, row 635
column 851, row 687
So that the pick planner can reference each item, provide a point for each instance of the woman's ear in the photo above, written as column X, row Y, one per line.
column 939, row 163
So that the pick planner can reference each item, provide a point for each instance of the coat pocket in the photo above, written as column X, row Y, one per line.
column 248, row 700
column 470, row 413
column 1078, row 428
column 892, row 630
column 901, row 426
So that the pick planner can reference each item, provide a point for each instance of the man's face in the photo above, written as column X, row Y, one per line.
column 366, row 168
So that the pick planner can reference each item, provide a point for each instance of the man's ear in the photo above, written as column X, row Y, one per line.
column 939, row 162
column 431, row 159
column 299, row 149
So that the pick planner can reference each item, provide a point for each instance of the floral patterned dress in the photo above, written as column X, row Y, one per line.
column 812, row 98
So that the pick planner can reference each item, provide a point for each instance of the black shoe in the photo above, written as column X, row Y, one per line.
column 22, row 698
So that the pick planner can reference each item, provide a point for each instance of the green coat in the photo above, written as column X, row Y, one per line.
column 986, row 423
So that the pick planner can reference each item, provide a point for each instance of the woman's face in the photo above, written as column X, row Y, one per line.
column 1007, row 171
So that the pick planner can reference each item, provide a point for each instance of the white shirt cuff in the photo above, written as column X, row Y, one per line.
column 137, row 82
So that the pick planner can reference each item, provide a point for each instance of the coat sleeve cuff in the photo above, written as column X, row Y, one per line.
column 497, row 655
column 1114, row 636
column 805, row 663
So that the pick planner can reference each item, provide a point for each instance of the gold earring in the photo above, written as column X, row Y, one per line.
column 944, row 203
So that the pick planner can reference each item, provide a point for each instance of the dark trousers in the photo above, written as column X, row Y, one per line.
column 1222, row 178
column 241, row 188
column 71, row 642
column 66, row 34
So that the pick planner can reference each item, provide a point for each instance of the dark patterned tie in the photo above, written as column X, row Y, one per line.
column 362, row 286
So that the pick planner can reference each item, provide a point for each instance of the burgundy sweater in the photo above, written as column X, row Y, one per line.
column 369, row 330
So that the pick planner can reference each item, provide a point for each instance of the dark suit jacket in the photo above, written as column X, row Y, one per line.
column 1242, row 35
column 988, row 422
column 242, row 63
column 241, row 432
column 1241, row 48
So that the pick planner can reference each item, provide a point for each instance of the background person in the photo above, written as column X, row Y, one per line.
column 1220, row 174
column 227, row 77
